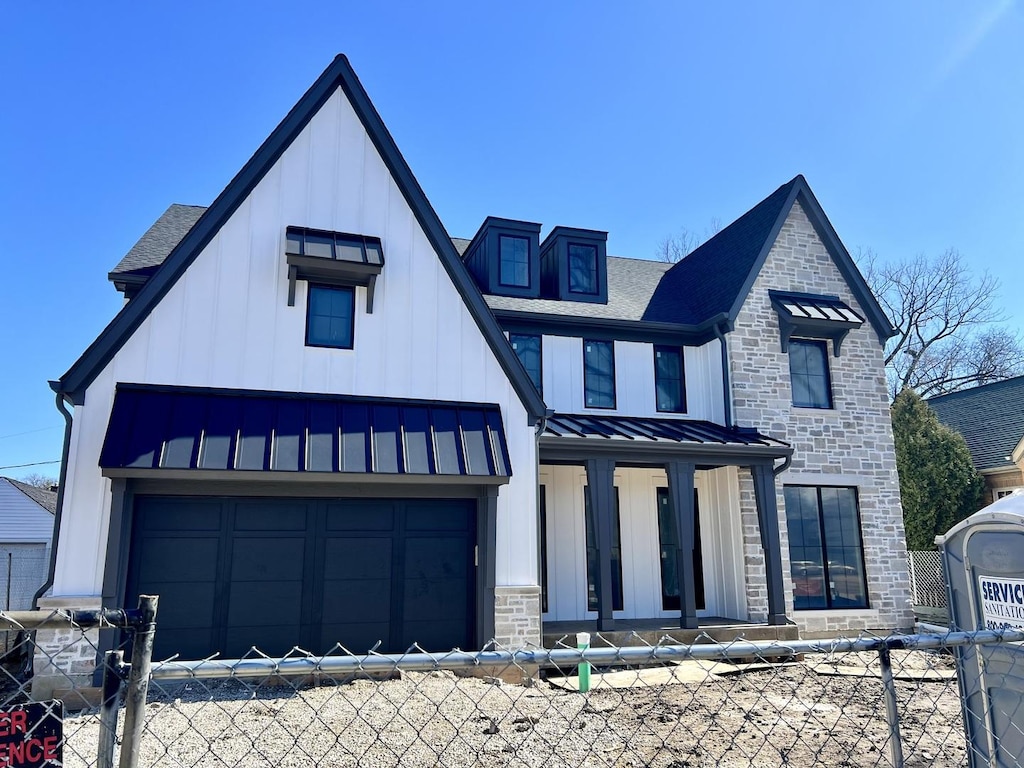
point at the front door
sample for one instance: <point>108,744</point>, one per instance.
<point>669,541</point>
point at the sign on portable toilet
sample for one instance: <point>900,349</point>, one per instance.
<point>983,558</point>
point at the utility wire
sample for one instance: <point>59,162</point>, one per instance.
<point>31,464</point>
<point>30,432</point>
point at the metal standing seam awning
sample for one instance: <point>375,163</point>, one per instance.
<point>155,431</point>
<point>630,435</point>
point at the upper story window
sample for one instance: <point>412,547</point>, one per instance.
<point>583,268</point>
<point>809,375</point>
<point>330,316</point>
<point>598,374</point>
<point>669,380</point>
<point>528,349</point>
<point>514,259</point>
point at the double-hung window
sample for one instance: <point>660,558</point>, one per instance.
<point>514,261</point>
<point>330,316</point>
<point>809,375</point>
<point>528,349</point>
<point>669,381</point>
<point>826,555</point>
<point>598,374</point>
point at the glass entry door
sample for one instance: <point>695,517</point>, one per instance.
<point>669,540</point>
<point>593,556</point>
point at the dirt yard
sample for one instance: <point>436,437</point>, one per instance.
<point>821,711</point>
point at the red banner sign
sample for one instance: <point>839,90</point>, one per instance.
<point>32,735</point>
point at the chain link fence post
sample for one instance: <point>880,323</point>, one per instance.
<point>112,662</point>
<point>138,682</point>
<point>892,712</point>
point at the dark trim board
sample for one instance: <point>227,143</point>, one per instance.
<point>606,329</point>
<point>338,75</point>
<point>561,450</point>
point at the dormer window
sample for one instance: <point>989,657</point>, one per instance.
<point>573,265</point>
<point>583,268</point>
<point>502,257</point>
<point>514,261</point>
<point>332,259</point>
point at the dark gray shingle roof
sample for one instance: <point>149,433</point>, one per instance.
<point>990,417</point>
<point>154,246</point>
<point>45,498</point>
<point>631,283</point>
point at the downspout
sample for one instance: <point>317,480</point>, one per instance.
<point>61,485</point>
<point>726,387</point>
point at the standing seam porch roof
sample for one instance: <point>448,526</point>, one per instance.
<point>338,75</point>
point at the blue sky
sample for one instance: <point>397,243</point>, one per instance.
<point>907,120</point>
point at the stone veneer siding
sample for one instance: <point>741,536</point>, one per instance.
<point>517,616</point>
<point>65,658</point>
<point>850,445</point>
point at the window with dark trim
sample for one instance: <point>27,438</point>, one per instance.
<point>826,554</point>
<point>669,381</point>
<point>668,541</point>
<point>809,375</point>
<point>544,549</point>
<point>594,556</point>
<point>528,349</point>
<point>598,374</point>
<point>330,316</point>
<point>514,261</point>
<point>583,268</point>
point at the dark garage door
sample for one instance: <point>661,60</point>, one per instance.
<point>232,573</point>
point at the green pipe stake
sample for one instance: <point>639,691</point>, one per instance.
<point>583,670</point>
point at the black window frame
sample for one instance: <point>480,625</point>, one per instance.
<point>352,314</point>
<point>681,407</point>
<point>501,261</point>
<point>668,538</point>
<point>827,577</point>
<point>593,579</point>
<point>594,270</point>
<point>539,381</point>
<point>822,348</point>
<point>588,378</point>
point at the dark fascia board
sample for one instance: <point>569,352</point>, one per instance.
<point>338,74</point>
<point>576,450</point>
<point>844,262</point>
<point>605,329</point>
<point>573,233</point>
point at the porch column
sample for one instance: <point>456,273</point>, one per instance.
<point>768,522</point>
<point>601,487</point>
<point>680,491</point>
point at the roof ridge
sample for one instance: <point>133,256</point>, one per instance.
<point>972,390</point>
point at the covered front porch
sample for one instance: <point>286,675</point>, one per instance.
<point>654,528</point>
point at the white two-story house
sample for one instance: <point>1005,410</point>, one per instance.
<point>318,419</point>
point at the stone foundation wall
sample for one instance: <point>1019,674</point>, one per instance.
<point>517,616</point>
<point>64,658</point>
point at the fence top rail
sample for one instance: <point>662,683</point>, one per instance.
<point>102,618</point>
<point>418,661</point>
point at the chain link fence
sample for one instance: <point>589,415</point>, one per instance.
<point>864,701</point>
<point>22,570</point>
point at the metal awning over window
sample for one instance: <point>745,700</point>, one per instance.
<point>335,258</point>
<point>158,429</point>
<point>810,315</point>
<point>568,436</point>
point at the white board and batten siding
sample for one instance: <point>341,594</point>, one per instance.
<point>562,372</point>
<point>721,542</point>
<point>226,323</point>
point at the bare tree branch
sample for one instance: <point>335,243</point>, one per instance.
<point>946,321</point>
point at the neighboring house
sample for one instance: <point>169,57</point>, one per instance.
<point>26,527</point>
<point>319,419</point>
<point>991,419</point>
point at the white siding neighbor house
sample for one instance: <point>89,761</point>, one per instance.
<point>26,527</point>
<point>319,419</point>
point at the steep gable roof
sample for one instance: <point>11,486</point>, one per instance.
<point>338,75</point>
<point>990,417</point>
<point>159,240</point>
<point>45,498</point>
<point>716,277</point>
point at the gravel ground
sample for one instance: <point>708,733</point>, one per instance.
<point>787,715</point>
